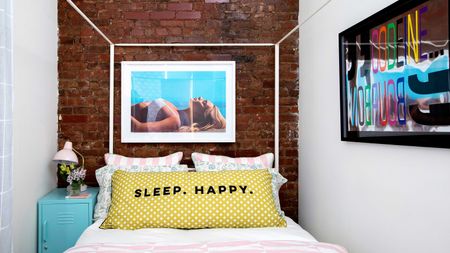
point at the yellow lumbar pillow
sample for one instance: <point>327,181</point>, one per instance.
<point>223,199</point>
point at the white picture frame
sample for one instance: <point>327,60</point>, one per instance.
<point>169,82</point>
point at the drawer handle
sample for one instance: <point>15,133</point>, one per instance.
<point>44,232</point>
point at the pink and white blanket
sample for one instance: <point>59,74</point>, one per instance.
<point>268,246</point>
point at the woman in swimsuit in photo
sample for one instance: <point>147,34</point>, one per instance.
<point>161,115</point>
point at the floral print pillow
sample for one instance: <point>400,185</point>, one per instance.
<point>265,160</point>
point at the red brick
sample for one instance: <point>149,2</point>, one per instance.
<point>136,15</point>
<point>176,23</point>
<point>179,6</point>
<point>189,15</point>
<point>162,15</point>
<point>74,118</point>
<point>161,31</point>
<point>216,1</point>
<point>175,30</point>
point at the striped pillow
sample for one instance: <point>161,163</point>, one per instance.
<point>118,160</point>
<point>266,160</point>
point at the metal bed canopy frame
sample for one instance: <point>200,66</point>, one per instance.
<point>277,70</point>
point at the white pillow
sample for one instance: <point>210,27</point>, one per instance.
<point>277,179</point>
<point>104,174</point>
<point>118,160</point>
<point>265,161</point>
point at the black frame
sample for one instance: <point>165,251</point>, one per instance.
<point>426,139</point>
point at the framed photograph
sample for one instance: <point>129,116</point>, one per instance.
<point>394,76</point>
<point>178,101</point>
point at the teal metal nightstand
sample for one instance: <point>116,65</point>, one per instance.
<point>61,221</point>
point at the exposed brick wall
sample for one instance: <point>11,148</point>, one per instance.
<point>84,73</point>
<point>289,94</point>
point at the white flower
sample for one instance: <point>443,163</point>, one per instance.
<point>76,175</point>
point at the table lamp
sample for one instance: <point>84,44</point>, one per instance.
<point>68,155</point>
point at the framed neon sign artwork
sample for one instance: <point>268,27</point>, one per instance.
<point>394,76</point>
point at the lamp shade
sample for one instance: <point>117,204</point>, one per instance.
<point>66,155</point>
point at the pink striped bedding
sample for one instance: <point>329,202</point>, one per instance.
<point>268,246</point>
<point>118,160</point>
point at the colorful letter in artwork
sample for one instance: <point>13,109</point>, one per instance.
<point>398,73</point>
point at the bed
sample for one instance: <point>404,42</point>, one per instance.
<point>251,240</point>
<point>131,219</point>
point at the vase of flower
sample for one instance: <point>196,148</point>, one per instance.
<point>75,189</point>
<point>75,177</point>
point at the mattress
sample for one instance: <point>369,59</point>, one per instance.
<point>290,239</point>
<point>93,234</point>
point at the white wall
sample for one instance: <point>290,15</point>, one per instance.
<point>35,114</point>
<point>371,198</point>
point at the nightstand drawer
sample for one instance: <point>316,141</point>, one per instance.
<point>62,225</point>
<point>62,220</point>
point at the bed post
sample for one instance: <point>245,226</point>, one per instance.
<point>277,106</point>
<point>111,99</point>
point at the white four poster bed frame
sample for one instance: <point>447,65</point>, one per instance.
<point>277,70</point>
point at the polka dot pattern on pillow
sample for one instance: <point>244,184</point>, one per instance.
<point>104,175</point>
<point>277,179</point>
<point>189,200</point>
